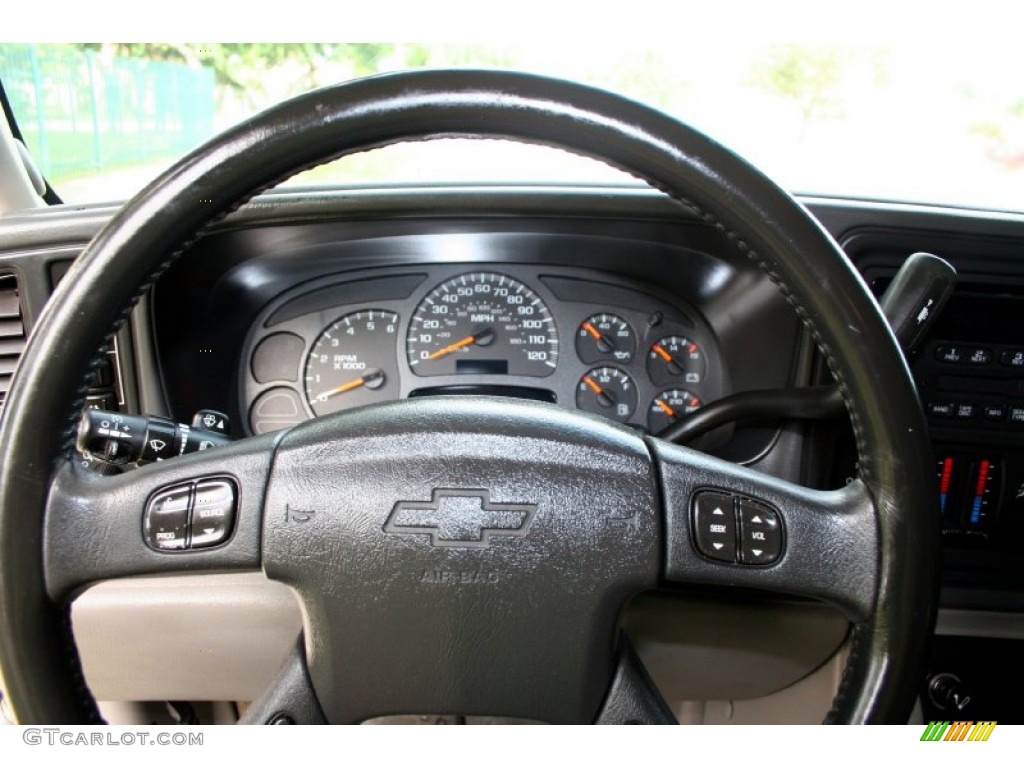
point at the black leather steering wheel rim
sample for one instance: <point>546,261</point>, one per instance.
<point>128,255</point>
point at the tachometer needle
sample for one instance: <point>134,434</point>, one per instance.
<point>483,338</point>
<point>371,379</point>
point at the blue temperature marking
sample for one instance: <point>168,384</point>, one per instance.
<point>976,511</point>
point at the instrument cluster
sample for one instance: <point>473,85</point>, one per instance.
<point>579,338</point>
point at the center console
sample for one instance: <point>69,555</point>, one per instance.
<point>970,375</point>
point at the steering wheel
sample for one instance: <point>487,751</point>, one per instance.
<point>484,571</point>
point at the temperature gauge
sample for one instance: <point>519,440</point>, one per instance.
<point>605,337</point>
<point>669,407</point>
<point>675,358</point>
<point>607,392</point>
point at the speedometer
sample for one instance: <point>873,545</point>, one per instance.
<point>482,323</point>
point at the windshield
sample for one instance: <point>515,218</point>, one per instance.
<point>913,122</point>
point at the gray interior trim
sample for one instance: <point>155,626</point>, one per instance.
<point>205,638</point>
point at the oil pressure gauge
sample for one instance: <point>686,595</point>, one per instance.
<point>605,337</point>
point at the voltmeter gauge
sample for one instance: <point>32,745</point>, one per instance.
<point>675,359</point>
<point>608,392</point>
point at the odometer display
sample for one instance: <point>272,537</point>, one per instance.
<point>482,323</point>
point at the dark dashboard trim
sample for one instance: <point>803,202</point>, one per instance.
<point>74,225</point>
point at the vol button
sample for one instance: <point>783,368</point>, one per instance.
<point>760,533</point>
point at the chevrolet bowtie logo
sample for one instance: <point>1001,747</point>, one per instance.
<point>460,518</point>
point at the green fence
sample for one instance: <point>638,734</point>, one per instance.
<point>82,113</point>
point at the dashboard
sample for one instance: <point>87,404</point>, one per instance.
<point>620,303</point>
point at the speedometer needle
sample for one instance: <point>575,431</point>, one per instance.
<point>483,338</point>
<point>371,379</point>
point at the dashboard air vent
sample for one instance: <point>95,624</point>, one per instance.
<point>12,332</point>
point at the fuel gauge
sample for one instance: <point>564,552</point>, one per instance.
<point>607,392</point>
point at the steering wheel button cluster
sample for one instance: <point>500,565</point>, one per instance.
<point>715,525</point>
<point>191,515</point>
<point>760,533</point>
<point>736,530</point>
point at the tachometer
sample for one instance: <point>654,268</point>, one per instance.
<point>353,362</point>
<point>482,323</point>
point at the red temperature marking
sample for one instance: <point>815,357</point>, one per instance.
<point>947,475</point>
<point>983,470</point>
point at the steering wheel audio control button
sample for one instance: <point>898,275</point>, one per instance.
<point>760,533</point>
<point>714,525</point>
<point>167,517</point>
<point>213,513</point>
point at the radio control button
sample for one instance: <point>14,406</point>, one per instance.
<point>714,522</point>
<point>760,534</point>
<point>965,410</point>
<point>167,517</point>
<point>942,409</point>
<point>950,353</point>
<point>1014,358</point>
<point>978,355</point>
<point>1017,415</point>
<point>995,412</point>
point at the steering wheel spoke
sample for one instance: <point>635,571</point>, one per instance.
<point>200,512</point>
<point>727,525</point>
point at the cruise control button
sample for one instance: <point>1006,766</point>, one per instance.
<point>760,533</point>
<point>166,519</point>
<point>714,524</point>
<point>213,513</point>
